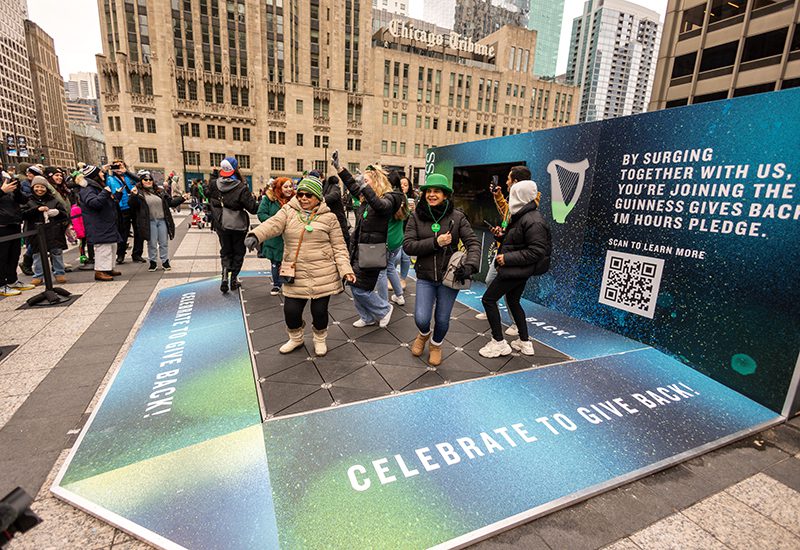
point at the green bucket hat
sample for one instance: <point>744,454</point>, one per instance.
<point>437,180</point>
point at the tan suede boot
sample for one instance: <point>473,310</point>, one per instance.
<point>419,344</point>
<point>295,340</point>
<point>320,348</point>
<point>434,355</point>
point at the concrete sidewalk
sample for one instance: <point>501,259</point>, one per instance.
<point>746,495</point>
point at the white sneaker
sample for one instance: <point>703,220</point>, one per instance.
<point>361,323</point>
<point>481,316</point>
<point>386,318</point>
<point>495,348</point>
<point>19,285</point>
<point>399,300</point>
<point>6,290</point>
<point>525,348</point>
<point>512,330</point>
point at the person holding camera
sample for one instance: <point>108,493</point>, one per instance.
<point>151,206</point>
<point>368,244</point>
<point>11,201</point>
<point>315,261</point>
<point>120,179</point>
<point>433,233</point>
<point>524,251</point>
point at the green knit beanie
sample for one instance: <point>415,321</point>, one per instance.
<point>312,185</point>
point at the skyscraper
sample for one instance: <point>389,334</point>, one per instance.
<point>545,17</point>
<point>55,142</point>
<point>732,50</point>
<point>613,58</point>
<point>479,18</point>
<point>399,7</point>
<point>441,13</point>
<point>18,125</point>
<point>82,86</point>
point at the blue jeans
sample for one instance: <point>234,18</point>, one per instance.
<point>391,273</point>
<point>276,274</point>
<point>56,262</point>
<point>432,295</point>
<point>369,305</point>
<point>159,238</point>
<point>405,264</point>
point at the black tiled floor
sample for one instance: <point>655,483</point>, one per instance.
<point>368,362</point>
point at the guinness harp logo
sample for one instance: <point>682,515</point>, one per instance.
<point>566,184</point>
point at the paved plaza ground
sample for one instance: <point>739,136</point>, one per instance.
<point>58,360</point>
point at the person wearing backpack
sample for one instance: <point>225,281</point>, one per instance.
<point>231,220</point>
<point>524,251</point>
<point>433,234</point>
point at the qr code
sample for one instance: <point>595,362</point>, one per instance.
<point>631,282</point>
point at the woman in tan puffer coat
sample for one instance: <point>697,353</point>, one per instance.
<point>320,260</point>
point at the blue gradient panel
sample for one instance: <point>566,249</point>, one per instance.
<point>452,500</point>
<point>730,314</point>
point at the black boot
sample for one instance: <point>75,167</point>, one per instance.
<point>235,284</point>
<point>223,286</point>
<point>26,265</point>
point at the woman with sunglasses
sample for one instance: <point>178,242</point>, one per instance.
<point>314,250</point>
<point>379,203</point>
<point>151,206</point>
<point>433,233</point>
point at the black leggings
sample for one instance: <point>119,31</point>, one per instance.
<point>512,289</point>
<point>232,249</point>
<point>293,312</point>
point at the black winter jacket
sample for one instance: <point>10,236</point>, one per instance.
<point>373,228</point>
<point>11,206</point>
<point>526,246</point>
<point>141,211</point>
<point>54,230</point>
<point>99,210</point>
<point>233,193</point>
<point>420,241</point>
<point>333,198</point>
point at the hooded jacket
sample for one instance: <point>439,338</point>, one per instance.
<point>55,227</point>
<point>526,246</point>
<point>231,192</point>
<point>372,225</point>
<point>99,213</point>
<point>322,261</point>
<point>420,241</point>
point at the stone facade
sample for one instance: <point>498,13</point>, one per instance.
<point>274,96</point>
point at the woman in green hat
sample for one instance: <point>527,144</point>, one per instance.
<point>433,234</point>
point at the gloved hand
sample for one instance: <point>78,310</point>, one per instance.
<point>335,160</point>
<point>462,273</point>
<point>251,242</point>
<point>52,213</point>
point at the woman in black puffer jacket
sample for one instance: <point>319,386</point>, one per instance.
<point>432,235</point>
<point>378,205</point>
<point>524,251</point>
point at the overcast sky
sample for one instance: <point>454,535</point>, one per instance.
<point>75,28</point>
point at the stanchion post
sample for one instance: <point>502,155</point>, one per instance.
<point>51,295</point>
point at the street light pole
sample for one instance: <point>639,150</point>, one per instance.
<point>183,153</point>
<point>325,160</point>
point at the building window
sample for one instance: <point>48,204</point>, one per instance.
<point>299,140</point>
<point>358,144</point>
<point>386,117</point>
<point>300,165</point>
<point>138,124</point>
<point>352,167</point>
<point>237,134</point>
<point>245,134</point>
<point>281,138</point>
<point>684,65</point>
<point>349,144</point>
<point>763,45</point>
<point>221,132</point>
<point>394,119</point>
<point>273,137</point>
<point>403,120</point>
<point>192,158</point>
<point>402,147</point>
<point>317,141</point>
<point>716,57</point>
<point>394,147</point>
<point>244,161</point>
<point>117,153</point>
<point>195,129</point>
<point>384,146</point>
<point>416,149</point>
<point>419,121</point>
<point>212,131</point>
<point>216,158</point>
<point>278,164</point>
<point>299,108</point>
<point>151,126</point>
<point>148,155</point>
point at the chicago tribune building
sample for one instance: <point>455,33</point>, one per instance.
<point>281,83</point>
